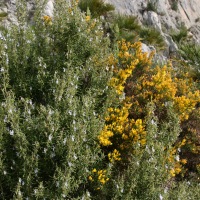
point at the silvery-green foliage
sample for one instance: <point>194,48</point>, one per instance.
<point>51,96</point>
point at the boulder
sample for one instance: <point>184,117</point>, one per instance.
<point>49,8</point>
<point>152,19</point>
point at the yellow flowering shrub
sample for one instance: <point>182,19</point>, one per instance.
<point>176,162</point>
<point>99,178</point>
<point>115,155</point>
<point>185,104</point>
<point>120,133</point>
<point>161,85</point>
<point>137,83</point>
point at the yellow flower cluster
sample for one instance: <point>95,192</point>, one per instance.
<point>178,167</point>
<point>119,81</point>
<point>158,84</point>
<point>173,159</point>
<point>127,58</point>
<point>105,135</point>
<point>87,18</point>
<point>184,86</point>
<point>141,83</point>
<point>116,123</point>
<point>121,132</point>
<point>161,84</point>
<point>100,176</point>
<point>47,20</point>
<point>114,156</point>
<point>138,132</point>
<point>185,104</point>
<point>145,60</point>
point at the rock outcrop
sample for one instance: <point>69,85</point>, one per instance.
<point>8,8</point>
<point>166,15</point>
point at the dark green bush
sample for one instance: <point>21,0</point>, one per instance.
<point>191,54</point>
<point>127,22</point>
<point>181,35</point>
<point>128,27</point>
<point>96,7</point>
<point>3,14</point>
<point>151,6</point>
<point>152,36</point>
<point>174,5</point>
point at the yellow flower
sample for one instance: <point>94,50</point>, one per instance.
<point>183,161</point>
<point>104,137</point>
<point>177,170</point>
<point>87,18</point>
<point>94,170</point>
<point>90,178</point>
<point>126,54</point>
<point>114,156</point>
<point>47,19</point>
<point>172,172</point>
<point>143,142</point>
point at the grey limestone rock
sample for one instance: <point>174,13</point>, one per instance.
<point>49,8</point>
<point>9,6</point>
<point>164,18</point>
<point>187,13</point>
<point>152,19</point>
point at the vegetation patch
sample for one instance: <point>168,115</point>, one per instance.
<point>97,7</point>
<point>86,116</point>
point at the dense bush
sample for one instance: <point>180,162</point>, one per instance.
<point>125,27</point>
<point>82,120</point>
<point>181,35</point>
<point>190,52</point>
<point>151,36</point>
<point>147,136</point>
<point>152,6</point>
<point>53,94</point>
<point>97,7</point>
<point>174,5</point>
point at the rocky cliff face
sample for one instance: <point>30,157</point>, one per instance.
<point>168,14</point>
<point>8,9</point>
<point>164,15</point>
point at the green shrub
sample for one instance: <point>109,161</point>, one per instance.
<point>55,91</point>
<point>96,7</point>
<point>128,27</point>
<point>185,190</point>
<point>152,36</point>
<point>151,6</point>
<point>127,22</point>
<point>53,94</point>
<point>191,54</point>
<point>181,35</point>
<point>174,5</point>
<point>3,14</point>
